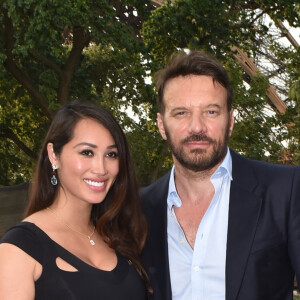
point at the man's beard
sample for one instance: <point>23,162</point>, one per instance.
<point>199,159</point>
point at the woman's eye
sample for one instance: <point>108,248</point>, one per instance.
<point>112,154</point>
<point>87,152</point>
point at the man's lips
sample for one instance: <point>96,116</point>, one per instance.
<point>198,139</point>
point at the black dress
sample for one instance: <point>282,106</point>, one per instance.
<point>123,282</point>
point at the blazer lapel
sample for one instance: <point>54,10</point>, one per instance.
<point>156,214</point>
<point>244,209</point>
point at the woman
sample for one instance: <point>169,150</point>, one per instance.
<point>83,230</point>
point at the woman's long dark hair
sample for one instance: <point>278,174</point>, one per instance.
<point>118,218</point>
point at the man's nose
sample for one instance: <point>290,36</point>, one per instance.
<point>197,123</point>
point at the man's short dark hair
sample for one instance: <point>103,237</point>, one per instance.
<point>194,63</point>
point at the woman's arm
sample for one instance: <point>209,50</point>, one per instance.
<point>18,272</point>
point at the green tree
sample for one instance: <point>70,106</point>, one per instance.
<point>219,27</point>
<point>55,51</point>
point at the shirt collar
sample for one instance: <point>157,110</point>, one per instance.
<point>224,168</point>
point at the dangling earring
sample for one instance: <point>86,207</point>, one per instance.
<point>53,178</point>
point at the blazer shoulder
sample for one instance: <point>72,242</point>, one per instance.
<point>250,170</point>
<point>262,165</point>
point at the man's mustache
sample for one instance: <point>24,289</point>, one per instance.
<point>197,138</point>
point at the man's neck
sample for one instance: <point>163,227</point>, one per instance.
<point>193,186</point>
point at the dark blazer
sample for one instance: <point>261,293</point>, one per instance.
<point>263,240</point>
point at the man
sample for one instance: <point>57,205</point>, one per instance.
<point>220,226</point>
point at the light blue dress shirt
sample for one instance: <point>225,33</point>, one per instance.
<point>199,273</point>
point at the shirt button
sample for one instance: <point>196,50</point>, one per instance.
<point>196,269</point>
<point>181,241</point>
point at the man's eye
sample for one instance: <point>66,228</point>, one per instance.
<point>180,113</point>
<point>112,154</point>
<point>87,152</point>
<point>212,112</point>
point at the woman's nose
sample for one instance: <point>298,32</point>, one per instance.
<point>99,166</point>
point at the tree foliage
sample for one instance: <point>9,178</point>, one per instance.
<point>108,51</point>
<point>218,27</point>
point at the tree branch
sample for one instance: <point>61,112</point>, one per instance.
<point>287,34</point>
<point>263,11</point>
<point>133,21</point>
<point>45,61</point>
<point>17,73</point>
<point>9,134</point>
<point>81,39</point>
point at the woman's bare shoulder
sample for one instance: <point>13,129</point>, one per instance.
<point>18,271</point>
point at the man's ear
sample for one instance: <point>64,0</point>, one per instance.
<point>231,122</point>
<point>51,154</point>
<point>161,126</point>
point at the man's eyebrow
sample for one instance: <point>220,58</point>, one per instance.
<point>174,109</point>
<point>214,105</point>
<point>178,108</point>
